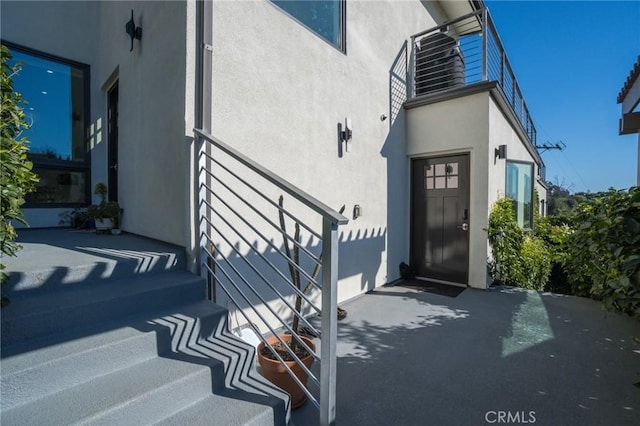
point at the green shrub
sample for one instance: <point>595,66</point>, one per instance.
<point>16,176</point>
<point>603,252</point>
<point>520,259</point>
<point>535,257</point>
<point>505,238</point>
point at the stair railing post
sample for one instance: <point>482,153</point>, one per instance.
<point>328,360</point>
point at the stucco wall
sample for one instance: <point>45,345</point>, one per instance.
<point>475,124</point>
<point>452,126</point>
<point>279,92</point>
<point>54,28</point>
<point>153,95</point>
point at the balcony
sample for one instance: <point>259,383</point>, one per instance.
<point>461,53</point>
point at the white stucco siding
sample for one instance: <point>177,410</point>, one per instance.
<point>63,29</point>
<point>152,100</point>
<point>153,95</point>
<point>501,132</point>
<point>454,126</point>
<point>279,92</point>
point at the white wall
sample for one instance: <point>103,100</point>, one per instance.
<point>279,92</point>
<point>475,124</point>
<point>64,29</point>
<point>452,126</point>
<point>155,98</point>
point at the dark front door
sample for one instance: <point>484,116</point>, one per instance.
<point>113,143</point>
<point>440,218</point>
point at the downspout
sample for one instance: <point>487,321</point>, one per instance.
<point>202,120</point>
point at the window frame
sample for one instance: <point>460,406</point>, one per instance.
<point>531,192</point>
<point>56,164</point>
<point>342,25</point>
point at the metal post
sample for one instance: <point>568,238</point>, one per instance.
<point>328,360</point>
<point>201,163</point>
<point>411,70</point>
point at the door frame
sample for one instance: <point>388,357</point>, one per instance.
<point>412,160</point>
<point>113,140</point>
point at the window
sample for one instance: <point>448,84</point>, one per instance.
<point>325,18</point>
<point>520,190</point>
<point>56,107</point>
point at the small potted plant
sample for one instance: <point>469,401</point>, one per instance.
<point>106,213</point>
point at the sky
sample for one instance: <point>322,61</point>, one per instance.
<point>571,58</point>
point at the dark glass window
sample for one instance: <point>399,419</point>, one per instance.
<point>56,98</point>
<point>325,18</point>
<point>520,190</point>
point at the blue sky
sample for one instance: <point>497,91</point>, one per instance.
<point>571,59</point>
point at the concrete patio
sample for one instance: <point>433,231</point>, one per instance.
<point>408,357</point>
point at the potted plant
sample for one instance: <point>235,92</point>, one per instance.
<point>272,368</point>
<point>106,213</point>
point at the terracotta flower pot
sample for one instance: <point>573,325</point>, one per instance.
<point>275,372</point>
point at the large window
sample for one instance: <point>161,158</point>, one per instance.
<point>56,96</point>
<point>325,18</point>
<point>520,190</point>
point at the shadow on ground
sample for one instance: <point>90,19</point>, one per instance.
<point>414,358</point>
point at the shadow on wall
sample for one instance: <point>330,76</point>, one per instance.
<point>395,151</point>
<point>261,278</point>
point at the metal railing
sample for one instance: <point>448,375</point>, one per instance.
<point>241,216</point>
<point>462,52</point>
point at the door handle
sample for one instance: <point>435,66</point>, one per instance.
<point>114,167</point>
<point>464,227</point>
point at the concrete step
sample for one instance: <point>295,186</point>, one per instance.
<point>222,410</point>
<point>36,314</point>
<point>178,364</point>
<point>139,394</point>
<point>54,258</point>
<point>43,366</point>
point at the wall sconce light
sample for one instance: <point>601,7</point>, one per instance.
<point>347,134</point>
<point>501,152</point>
<point>133,31</point>
<point>357,211</point>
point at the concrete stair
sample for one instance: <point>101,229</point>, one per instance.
<point>128,349</point>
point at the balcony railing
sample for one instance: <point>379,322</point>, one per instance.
<point>263,254</point>
<point>462,52</point>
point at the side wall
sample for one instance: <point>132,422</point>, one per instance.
<point>279,94</point>
<point>153,94</point>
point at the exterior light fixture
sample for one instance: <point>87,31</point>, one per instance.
<point>347,134</point>
<point>133,31</point>
<point>501,152</point>
<point>357,211</point>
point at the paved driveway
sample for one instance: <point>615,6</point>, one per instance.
<point>501,356</point>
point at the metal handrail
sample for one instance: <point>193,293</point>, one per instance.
<point>224,210</point>
<point>481,57</point>
<point>308,200</point>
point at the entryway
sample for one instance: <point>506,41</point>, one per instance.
<point>440,218</point>
<point>113,142</point>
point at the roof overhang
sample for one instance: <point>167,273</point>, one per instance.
<point>455,9</point>
<point>629,95</point>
